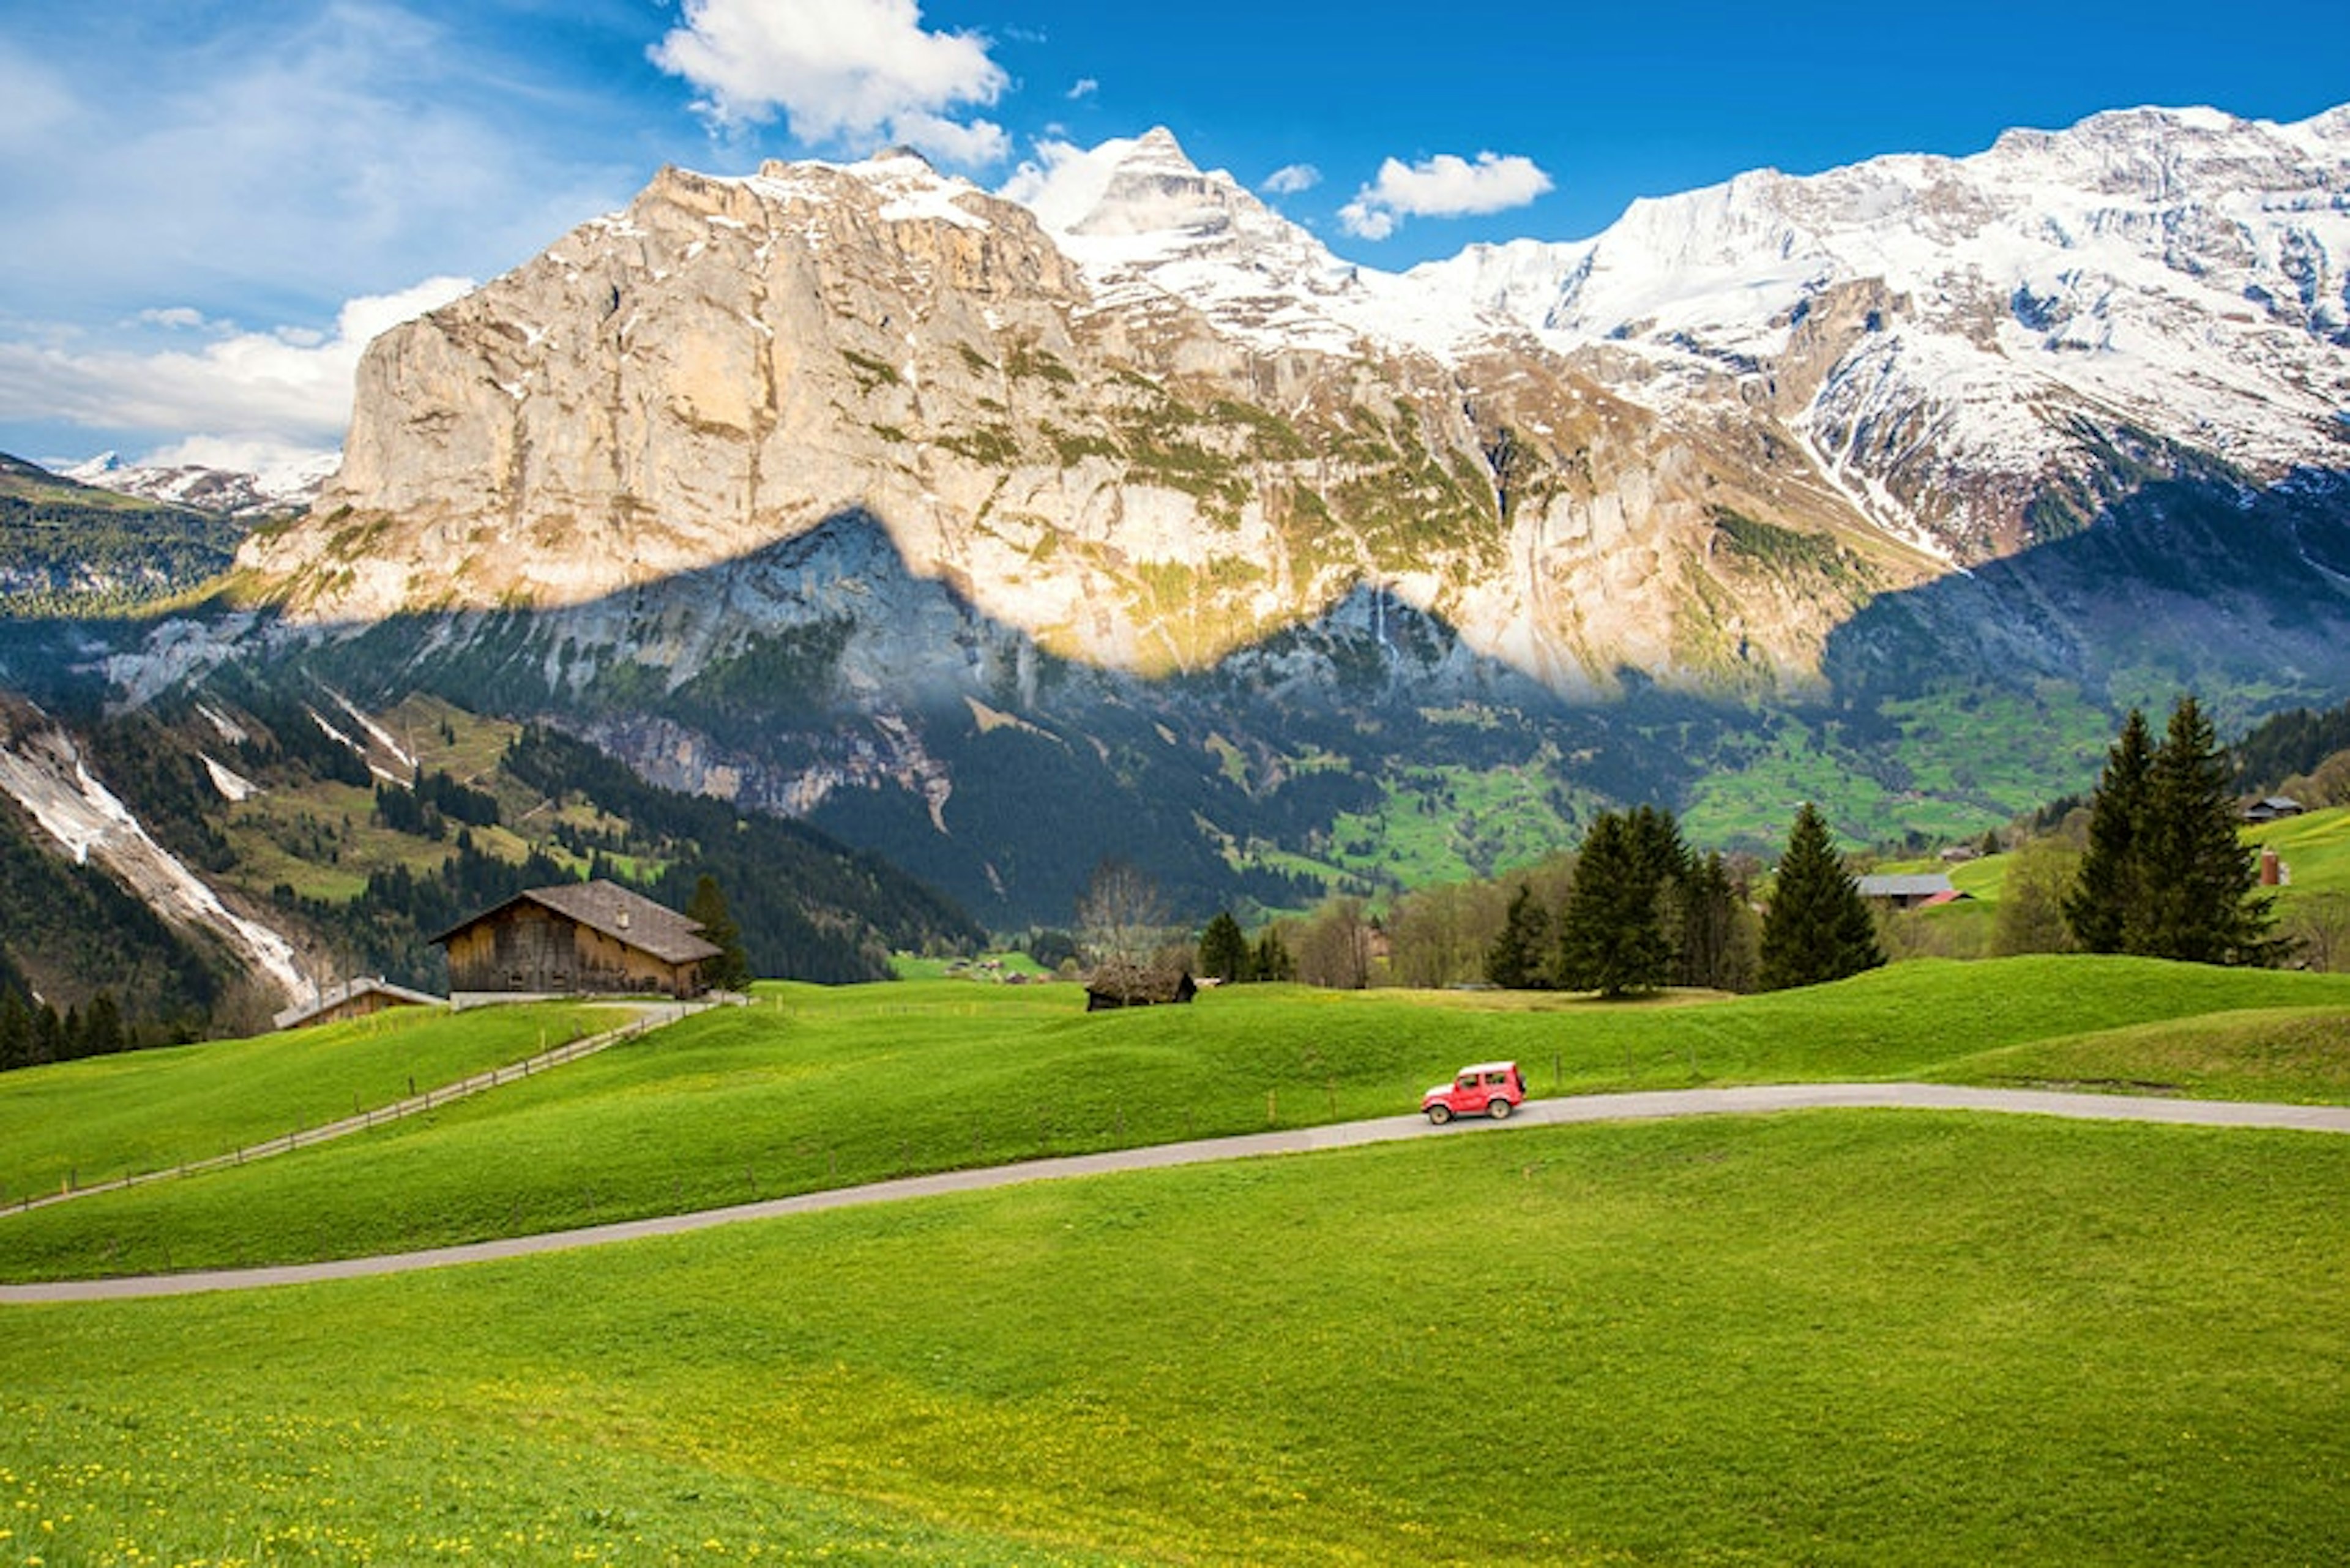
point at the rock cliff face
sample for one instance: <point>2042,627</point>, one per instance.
<point>1146,421</point>
<point>860,494</point>
<point>1082,451</point>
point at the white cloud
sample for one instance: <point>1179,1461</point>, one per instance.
<point>1064,182</point>
<point>944,140</point>
<point>34,104</point>
<point>855,71</point>
<point>173,316</point>
<point>295,164</point>
<point>280,391</point>
<point>1087,87</point>
<point>1444,186</point>
<point>1292,178</point>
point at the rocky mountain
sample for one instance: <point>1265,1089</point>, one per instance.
<point>1114,513</point>
<point>71,548</point>
<point>1136,452</point>
<point>1957,342</point>
<point>237,493</point>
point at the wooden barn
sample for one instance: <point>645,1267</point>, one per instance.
<point>353,999</point>
<point>1116,984</point>
<point>577,938</point>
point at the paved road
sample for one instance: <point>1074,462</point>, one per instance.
<point>1653,1105</point>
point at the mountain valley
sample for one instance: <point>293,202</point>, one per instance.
<point>1114,514</point>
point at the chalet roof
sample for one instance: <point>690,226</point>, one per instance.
<point>1904,885</point>
<point>606,907</point>
<point>1130,983</point>
<point>335,996</point>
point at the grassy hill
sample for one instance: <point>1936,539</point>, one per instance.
<point>818,1088</point>
<point>94,1120</point>
<point>1836,1338</point>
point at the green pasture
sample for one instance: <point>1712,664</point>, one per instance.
<point>815,1088</point>
<point>1838,1337</point>
<point>2315,847</point>
<point>93,1120</point>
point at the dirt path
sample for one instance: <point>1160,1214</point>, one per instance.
<point>1573,1109</point>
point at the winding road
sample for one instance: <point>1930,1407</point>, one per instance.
<point>1557,1111</point>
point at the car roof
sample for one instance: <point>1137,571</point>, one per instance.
<point>1489,1067</point>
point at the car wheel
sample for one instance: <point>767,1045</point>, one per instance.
<point>1499,1109</point>
<point>1440,1115</point>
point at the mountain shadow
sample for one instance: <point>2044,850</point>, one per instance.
<point>2186,584</point>
<point>822,680</point>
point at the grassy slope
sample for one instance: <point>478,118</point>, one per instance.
<point>113,1116</point>
<point>825,1088</point>
<point>2314,847</point>
<point>1839,1338</point>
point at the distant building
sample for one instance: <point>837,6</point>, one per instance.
<point>1116,984</point>
<point>2274,808</point>
<point>1916,890</point>
<point>577,939</point>
<point>353,999</point>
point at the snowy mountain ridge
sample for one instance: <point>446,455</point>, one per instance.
<point>2181,269</point>
<point>1128,409</point>
<point>222,487</point>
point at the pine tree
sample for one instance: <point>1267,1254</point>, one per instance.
<point>2196,898</point>
<point>1223,950</point>
<point>1709,952</point>
<point>101,1026</point>
<point>1517,960</point>
<point>2109,886</point>
<point>1817,928</point>
<point>16,1030</point>
<point>730,970</point>
<point>1611,934</point>
<point>1271,961</point>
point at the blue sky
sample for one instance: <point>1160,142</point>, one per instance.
<point>209,205</point>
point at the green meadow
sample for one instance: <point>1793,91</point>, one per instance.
<point>816,1088</point>
<point>1835,1338</point>
<point>90,1121</point>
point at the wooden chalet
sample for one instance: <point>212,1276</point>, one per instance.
<point>577,938</point>
<point>1121,984</point>
<point>353,999</point>
<point>1923,890</point>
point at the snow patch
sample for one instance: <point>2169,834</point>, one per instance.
<point>44,771</point>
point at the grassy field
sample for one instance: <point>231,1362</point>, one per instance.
<point>93,1120</point>
<point>1864,1338</point>
<point>2314,847</point>
<point>817,1088</point>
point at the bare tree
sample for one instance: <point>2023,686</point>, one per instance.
<point>1438,936</point>
<point>2319,928</point>
<point>2031,917</point>
<point>1121,917</point>
<point>1334,948</point>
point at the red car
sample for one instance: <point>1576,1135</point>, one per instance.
<point>1488,1089</point>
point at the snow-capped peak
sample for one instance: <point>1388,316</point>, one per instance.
<point>213,476</point>
<point>1142,220</point>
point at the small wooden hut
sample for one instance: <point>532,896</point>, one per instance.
<point>577,939</point>
<point>1124,984</point>
<point>352,999</point>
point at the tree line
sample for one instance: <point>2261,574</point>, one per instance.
<point>1635,910</point>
